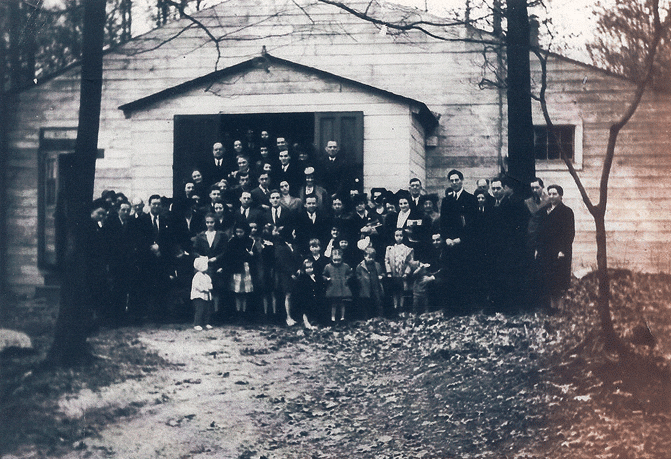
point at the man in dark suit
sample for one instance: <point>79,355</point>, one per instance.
<point>97,260</point>
<point>218,166</point>
<point>456,214</point>
<point>277,215</point>
<point>509,219</point>
<point>335,171</point>
<point>310,224</point>
<point>155,251</point>
<point>415,197</point>
<point>121,239</point>
<point>290,172</point>
<point>456,210</point>
<point>261,194</point>
<point>246,213</point>
<point>536,205</point>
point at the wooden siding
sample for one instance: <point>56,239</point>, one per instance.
<point>443,75</point>
<point>386,124</point>
<point>638,218</point>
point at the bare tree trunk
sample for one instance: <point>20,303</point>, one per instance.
<point>603,300</point>
<point>30,51</point>
<point>4,105</point>
<point>76,39</point>
<point>14,48</point>
<point>73,324</point>
<point>521,162</point>
<point>126,20</point>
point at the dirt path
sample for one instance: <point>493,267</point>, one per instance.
<point>479,387</point>
<point>221,398</point>
<point>372,391</point>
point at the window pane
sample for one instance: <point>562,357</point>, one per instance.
<point>546,145</point>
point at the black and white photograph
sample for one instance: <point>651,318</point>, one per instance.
<point>319,229</point>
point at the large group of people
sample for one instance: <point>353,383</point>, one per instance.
<point>257,236</point>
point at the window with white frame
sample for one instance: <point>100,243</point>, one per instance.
<point>547,146</point>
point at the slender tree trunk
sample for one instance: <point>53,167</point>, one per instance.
<point>126,20</point>
<point>73,324</point>
<point>14,48</point>
<point>521,162</point>
<point>3,144</point>
<point>76,37</point>
<point>603,301</point>
<point>30,34</point>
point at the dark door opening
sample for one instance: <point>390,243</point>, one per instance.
<point>194,136</point>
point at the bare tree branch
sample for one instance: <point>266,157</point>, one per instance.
<point>420,26</point>
<point>164,42</point>
<point>180,7</point>
<point>658,31</point>
<point>300,7</point>
<point>551,128</point>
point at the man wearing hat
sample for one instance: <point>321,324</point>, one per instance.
<point>311,188</point>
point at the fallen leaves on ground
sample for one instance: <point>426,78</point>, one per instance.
<point>490,386</point>
<point>504,386</point>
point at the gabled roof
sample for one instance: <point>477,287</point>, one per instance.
<point>426,117</point>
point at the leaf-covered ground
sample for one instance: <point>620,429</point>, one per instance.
<point>478,386</point>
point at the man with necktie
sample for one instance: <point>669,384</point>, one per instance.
<point>456,216</point>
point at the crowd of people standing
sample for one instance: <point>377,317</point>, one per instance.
<point>257,235</point>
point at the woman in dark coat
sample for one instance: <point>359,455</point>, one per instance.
<point>212,243</point>
<point>555,241</point>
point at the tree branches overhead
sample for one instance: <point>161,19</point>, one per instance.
<point>625,34</point>
<point>409,22</point>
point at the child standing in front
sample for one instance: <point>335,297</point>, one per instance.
<point>336,276</point>
<point>306,296</point>
<point>241,257</point>
<point>397,261</point>
<point>422,277</point>
<point>369,276</point>
<point>318,260</point>
<point>201,295</point>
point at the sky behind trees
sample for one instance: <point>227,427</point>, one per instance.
<point>573,22</point>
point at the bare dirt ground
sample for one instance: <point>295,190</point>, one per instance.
<point>430,386</point>
<point>221,396</point>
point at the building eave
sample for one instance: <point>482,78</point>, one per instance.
<point>426,117</point>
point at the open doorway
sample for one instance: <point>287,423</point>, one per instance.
<point>194,136</point>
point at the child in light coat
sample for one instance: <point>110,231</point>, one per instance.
<point>201,295</point>
<point>397,261</point>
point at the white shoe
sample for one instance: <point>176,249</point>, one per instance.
<point>290,322</point>
<point>209,327</point>
<point>307,324</point>
<point>198,328</point>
